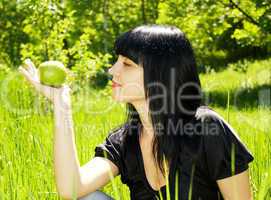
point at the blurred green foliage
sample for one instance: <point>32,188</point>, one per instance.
<point>81,34</point>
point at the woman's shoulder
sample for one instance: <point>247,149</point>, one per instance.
<point>118,133</point>
<point>213,124</point>
<point>222,146</point>
<point>207,114</point>
<point>121,134</point>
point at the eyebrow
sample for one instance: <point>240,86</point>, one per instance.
<point>128,61</point>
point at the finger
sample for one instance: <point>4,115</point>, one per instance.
<point>29,62</point>
<point>39,87</point>
<point>27,67</point>
<point>31,66</point>
<point>28,76</point>
<point>25,73</point>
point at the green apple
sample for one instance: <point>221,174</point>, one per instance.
<point>52,73</point>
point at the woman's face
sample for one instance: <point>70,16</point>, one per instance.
<point>127,82</point>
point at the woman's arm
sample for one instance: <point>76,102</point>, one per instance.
<point>69,175</point>
<point>236,187</point>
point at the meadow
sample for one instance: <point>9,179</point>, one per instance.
<point>240,93</point>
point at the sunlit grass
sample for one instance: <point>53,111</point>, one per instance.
<point>26,134</point>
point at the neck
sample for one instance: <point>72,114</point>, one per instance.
<point>142,109</point>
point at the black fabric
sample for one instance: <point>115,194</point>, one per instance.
<point>206,155</point>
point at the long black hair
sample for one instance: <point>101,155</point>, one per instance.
<point>170,72</point>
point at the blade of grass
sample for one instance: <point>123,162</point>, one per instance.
<point>177,185</point>
<point>228,106</point>
<point>167,181</point>
<point>191,182</point>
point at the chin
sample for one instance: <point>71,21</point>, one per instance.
<point>119,96</point>
<point>120,99</point>
<point>126,99</point>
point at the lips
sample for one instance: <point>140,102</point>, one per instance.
<point>115,84</point>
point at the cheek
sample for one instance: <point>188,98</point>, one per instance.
<point>133,88</point>
<point>133,84</point>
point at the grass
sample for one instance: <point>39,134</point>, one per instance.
<point>26,129</point>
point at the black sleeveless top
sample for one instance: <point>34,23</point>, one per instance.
<point>211,150</point>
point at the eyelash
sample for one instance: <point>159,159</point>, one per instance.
<point>128,65</point>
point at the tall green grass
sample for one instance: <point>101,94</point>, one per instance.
<point>26,131</point>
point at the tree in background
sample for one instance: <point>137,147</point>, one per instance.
<point>81,34</point>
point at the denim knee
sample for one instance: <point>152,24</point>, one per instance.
<point>97,195</point>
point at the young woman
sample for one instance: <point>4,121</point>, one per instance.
<point>171,144</point>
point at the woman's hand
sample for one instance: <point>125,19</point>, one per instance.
<point>61,95</point>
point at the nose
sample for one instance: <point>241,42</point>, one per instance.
<point>114,70</point>
<point>110,71</point>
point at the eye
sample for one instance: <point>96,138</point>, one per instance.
<point>128,65</point>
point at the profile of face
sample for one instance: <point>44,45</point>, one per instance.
<point>127,81</point>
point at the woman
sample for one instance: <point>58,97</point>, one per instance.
<point>171,145</point>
